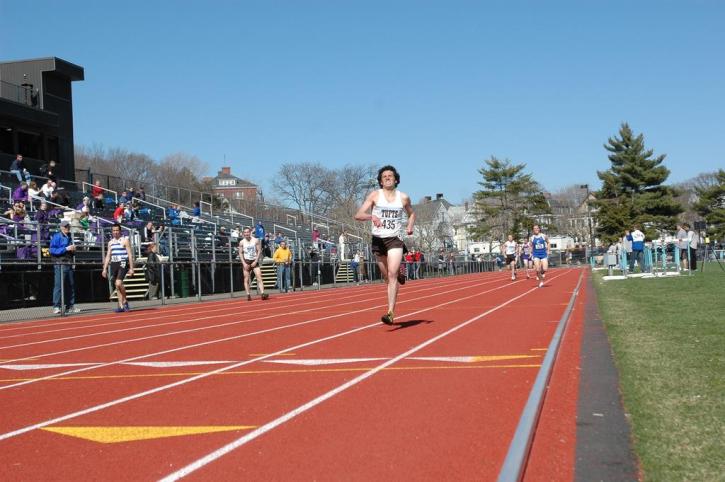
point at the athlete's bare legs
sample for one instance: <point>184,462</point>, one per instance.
<point>389,267</point>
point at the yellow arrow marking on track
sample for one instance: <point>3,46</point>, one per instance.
<point>109,435</point>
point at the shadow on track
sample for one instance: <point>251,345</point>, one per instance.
<point>408,324</point>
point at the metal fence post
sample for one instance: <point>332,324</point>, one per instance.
<point>231,272</point>
<point>62,287</point>
<point>163,285</point>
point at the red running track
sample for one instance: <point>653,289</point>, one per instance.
<point>307,386</point>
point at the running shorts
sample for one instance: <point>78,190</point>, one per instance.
<point>119,269</point>
<point>380,246</point>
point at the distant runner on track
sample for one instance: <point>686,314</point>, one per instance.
<point>525,250</point>
<point>120,257</point>
<point>540,243</point>
<point>510,248</point>
<point>250,253</point>
<point>387,205</point>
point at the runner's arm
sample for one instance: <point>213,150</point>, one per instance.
<point>362,213</point>
<point>411,214</point>
<point>129,251</point>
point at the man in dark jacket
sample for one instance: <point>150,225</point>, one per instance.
<point>153,270</point>
<point>62,250</point>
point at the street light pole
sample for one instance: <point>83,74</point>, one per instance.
<point>589,218</point>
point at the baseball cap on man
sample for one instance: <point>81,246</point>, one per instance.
<point>64,224</point>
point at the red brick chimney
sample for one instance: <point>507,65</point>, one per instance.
<point>226,170</point>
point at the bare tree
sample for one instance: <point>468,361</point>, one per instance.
<point>351,184</point>
<point>307,185</point>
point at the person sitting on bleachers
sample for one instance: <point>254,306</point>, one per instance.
<point>97,194</point>
<point>20,194</point>
<point>123,198</point>
<point>196,212</point>
<point>42,217</point>
<point>85,205</point>
<point>172,214</point>
<point>119,212</point>
<point>33,192</point>
<point>48,188</point>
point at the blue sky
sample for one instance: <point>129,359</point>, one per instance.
<point>434,88</point>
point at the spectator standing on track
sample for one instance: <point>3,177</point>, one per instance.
<point>283,259</point>
<point>355,266</point>
<point>62,250</point>
<point>408,257</point>
<point>120,258</point>
<point>419,261</point>
<point>314,264</point>
<point>693,240</point>
<point>441,261</point>
<point>386,206</point>
<point>19,170</point>
<point>153,270</point>
<point>250,253</point>
<point>636,237</point>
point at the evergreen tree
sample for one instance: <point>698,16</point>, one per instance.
<point>633,191</point>
<point>711,206</point>
<point>509,202</point>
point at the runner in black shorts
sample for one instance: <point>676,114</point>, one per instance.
<point>387,205</point>
<point>120,258</point>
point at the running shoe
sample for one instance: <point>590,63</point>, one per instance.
<point>119,309</point>
<point>513,277</point>
<point>387,318</point>
<point>126,307</point>
<point>56,311</point>
<point>401,275</point>
<point>541,284</point>
<point>73,309</point>
<point>249,297</point>
<point>265,296</point>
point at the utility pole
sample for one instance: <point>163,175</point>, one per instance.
<point>589,217</point>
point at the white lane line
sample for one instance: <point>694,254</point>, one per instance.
<point>235,305</point>
<point>152,391</point>
<point>43,366</point>
<point>323,361</point>
<point>206,327</point>
<point>220,340</point>
<point>85,321</point>
<point>196,465</point>
<point>275,308</point>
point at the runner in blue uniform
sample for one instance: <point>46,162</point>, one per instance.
<point>540,244</point>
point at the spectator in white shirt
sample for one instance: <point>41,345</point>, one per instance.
<point>694,240</point>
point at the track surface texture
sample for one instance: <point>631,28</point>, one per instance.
<point>304,386</point>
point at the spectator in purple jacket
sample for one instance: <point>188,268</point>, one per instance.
<point>21,193</point>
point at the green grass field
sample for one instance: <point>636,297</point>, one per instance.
<point>668,338</point>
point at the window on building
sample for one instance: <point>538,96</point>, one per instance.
<point>29,145</point>
<point>6,140</point>
<point>53,149</point>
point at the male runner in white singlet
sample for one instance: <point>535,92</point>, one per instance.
<point>250,253</point>
<point>510,249</point>
<point>120,257</point>
<point>387,206</point>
